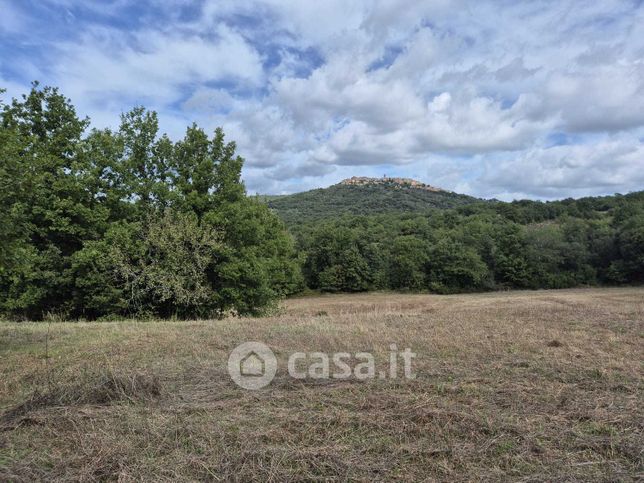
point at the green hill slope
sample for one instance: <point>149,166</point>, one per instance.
<point>369,197</point>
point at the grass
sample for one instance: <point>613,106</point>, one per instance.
<point>517,386</point>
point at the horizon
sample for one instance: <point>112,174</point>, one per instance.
<point>490,99</point>
<point>446,190</point>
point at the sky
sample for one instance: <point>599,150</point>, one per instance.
<point>497,99</point>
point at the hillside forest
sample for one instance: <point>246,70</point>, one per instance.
<point>100,224</point>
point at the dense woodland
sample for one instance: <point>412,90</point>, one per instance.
<point>128,223</point>
<point>479,246</point>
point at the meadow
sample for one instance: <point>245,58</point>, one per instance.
<point>515,386</point>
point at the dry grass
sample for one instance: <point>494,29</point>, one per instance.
<point>520,386</point>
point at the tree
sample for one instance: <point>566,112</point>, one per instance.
<point>335,262</point>
<point>349,274</point>
<point>454,266</point>
<point>509,266</point>
<point>407,264</point>
<point>259,263</point>
<point>52,207</point>
<point>629,266</point>
<point>12,197</point>
<point>157,267</point>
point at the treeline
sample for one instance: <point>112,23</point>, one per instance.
<point>127,223</point>
<point>480,246</point>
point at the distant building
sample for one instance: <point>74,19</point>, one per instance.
<point>402,182</point>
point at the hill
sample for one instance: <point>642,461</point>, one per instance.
<point>364,196</point>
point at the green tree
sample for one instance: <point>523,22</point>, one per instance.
<point>259,263</point>
<point>629,265</point>
<point>52,207</point>
<point>335,262</point>
<point>454,266</point>
<point>408,263</point>
<point>157,267</point>
<point>349,274</point>
<point>12,198</point>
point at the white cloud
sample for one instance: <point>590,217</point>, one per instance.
<point>611,165</point>
<point>600,98</point>
<point>153,65</point>
<point>464,93</point>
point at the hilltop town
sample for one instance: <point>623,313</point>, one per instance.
<point>385,180</point>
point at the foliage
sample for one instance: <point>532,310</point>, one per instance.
<point>481,246</point>
<point>108,223</point>
<point>338,200</point>
<point>155,268</point>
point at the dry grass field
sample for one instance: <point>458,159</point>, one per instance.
<point>517,386</point>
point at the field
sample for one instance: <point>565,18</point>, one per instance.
<point>520,386</point>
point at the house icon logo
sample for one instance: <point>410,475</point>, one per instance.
<point>252,365</point>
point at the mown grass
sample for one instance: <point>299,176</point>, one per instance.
<point>531,386</point>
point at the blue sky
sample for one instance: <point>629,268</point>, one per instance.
<point>505,99</point>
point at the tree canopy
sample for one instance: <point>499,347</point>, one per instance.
<point>480,246</point>
<point>101,223</point>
